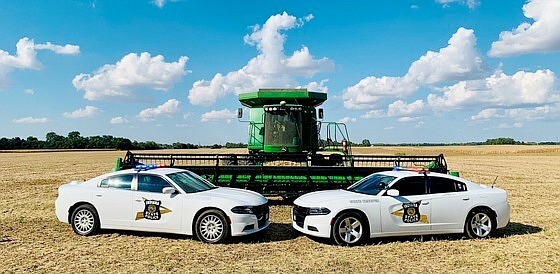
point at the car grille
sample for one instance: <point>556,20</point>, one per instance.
<point>262,212</point>
<point>299,214</point>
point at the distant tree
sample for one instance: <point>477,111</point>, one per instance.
<point>501,141</point>
<point>366,143</point>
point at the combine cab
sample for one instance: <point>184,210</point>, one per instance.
<point>287,155</point>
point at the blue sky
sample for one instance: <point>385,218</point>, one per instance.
<point>394,71</point>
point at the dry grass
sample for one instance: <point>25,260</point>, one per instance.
<point>32,239</point>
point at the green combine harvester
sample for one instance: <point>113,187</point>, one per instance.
<point>287,154</point>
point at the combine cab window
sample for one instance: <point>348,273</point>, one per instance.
<point>282,128</point>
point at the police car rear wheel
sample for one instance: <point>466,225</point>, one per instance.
<point>480,224</point>
<point>84,220</point>
<point>212,227</point>
<point>349,229</point>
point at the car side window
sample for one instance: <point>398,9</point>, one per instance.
<point>415,185</point>
<point>120,181</point>
<point>151,183</point>
<point>445,185</point>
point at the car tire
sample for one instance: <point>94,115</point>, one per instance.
<point>212,227</point>
<point>85,220</point>
<point>350,229</point>
<point>480,224</point>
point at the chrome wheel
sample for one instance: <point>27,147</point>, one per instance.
<point>211,228</point>
<point>84,220</point>
<point>481,224</point>
<point>350,230</point>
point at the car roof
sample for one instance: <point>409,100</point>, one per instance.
<point>407,173</point>
<point>158,171</point>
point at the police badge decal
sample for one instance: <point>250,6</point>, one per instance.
<point>152,210</point>
<point>411,212</point>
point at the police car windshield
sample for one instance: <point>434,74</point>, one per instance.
<point>371,184</point>
<point>190,182</point>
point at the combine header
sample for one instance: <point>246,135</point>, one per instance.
<point>287,155</point>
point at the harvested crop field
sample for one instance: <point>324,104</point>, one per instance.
<point>32,239</point>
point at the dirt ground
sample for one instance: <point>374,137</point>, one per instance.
<point>32,239</point>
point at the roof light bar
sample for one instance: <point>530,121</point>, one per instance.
<point>147,167</point>
<point>418,169</point>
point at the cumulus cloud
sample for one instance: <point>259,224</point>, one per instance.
<point>346,120</point>
<point>26,56</point>
<point>374,113</point>
<point>408,119</point>
<point>541,35</point>
<point>29,91</point>
<point>218,115</point>
<point>460,60</point>
<point>87,112</point>
<point>132,72</point>
<point>499,90</point>
<point>66,49</point>
<point>401,108</point>
<point>548,112</point>
<point>30,120</point>
<point>118,120</point>
<point>168,108</point>
<point>472,4</point>
<point>514,125</point>
<point>270,68</point>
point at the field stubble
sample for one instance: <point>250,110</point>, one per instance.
<point>32,239</point>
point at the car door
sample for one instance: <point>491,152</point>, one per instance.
<point>408,213</point>
<point>113,201</point>
<point>450,204</point>
<point>153,210</point>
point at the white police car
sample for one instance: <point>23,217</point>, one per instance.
<point>161,200</point>
<point>397,203</point>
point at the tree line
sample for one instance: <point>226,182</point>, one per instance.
<point>74,140</point>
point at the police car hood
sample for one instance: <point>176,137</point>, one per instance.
<point>323,198</point>
<point>239,196</point>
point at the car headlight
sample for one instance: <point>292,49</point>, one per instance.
<point>242,210</point>
<point>319,211</point>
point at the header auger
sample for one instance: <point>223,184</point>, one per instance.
<point>287,155</point>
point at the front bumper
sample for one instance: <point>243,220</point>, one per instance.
<point>313,225</point>
<point>245,224</point>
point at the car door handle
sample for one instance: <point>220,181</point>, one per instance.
<point>426,203</point>
<point>138,200</point>
<point>99,195</point>
<point>466,198</point>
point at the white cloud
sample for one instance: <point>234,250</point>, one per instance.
<point>167,108</point>
<point>29,91</point>
<point>500,90</point>
<point>374,113</point>
<point>87,112</point>
<point>131,72</point>
<point>159,3</point>
<point>514,125</point>
<point>485,114</point>
<point>542,35</point>
<point>389,128</point>
<point>460,60</point>
<point>408,119</point>
<point>218,115</point>
<point>346,120</point>
<point>270,68</point>
<point>182,125</point>
<point>401,108</point>
<point>26,57</point>
<point>118,120</point>
<point>30,120</point>
<point>472,4</point>
<point>66,49</point>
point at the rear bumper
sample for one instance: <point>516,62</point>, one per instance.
<point>503,214</point>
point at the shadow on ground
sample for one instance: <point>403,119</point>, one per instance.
<point>274,233</point>
<point>511,229</point>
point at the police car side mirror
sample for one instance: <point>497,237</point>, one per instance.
<point>168,190</point>
<point>393,192</point>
